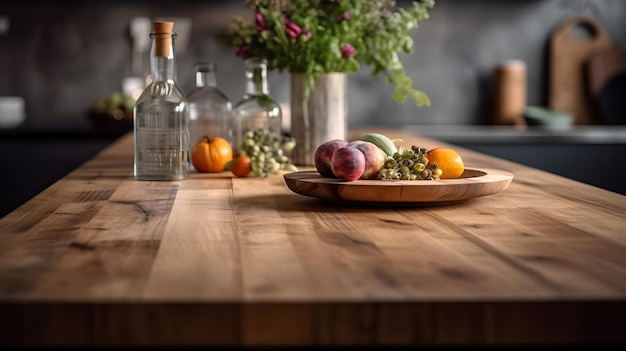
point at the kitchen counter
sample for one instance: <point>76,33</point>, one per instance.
<point>589,154</point>
<point>35,159</point>
<point>100,259</point>
<point>599,134</point>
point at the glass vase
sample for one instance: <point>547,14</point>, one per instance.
<point>322,117</point>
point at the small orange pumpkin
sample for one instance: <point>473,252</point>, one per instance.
<point>211,155</point>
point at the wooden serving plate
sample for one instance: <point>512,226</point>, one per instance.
<point>474,182</point>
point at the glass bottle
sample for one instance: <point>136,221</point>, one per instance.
<point>257,109</point>
<point>209,108</point>
<point>161,115</point>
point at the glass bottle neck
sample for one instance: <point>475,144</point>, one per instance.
<point>256,78</point>
<point>162,66</point>
<point>205,76</point>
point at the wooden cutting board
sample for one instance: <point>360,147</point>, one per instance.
<point>607,82</point>
<point>568,56</point>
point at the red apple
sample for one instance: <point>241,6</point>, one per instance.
<point>323,155</point>
<point>348,163</point>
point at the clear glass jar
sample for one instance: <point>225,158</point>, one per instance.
<point>209,108</point>
<point>257,109</point>
<point>161,115</point>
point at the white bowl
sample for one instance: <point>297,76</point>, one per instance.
<point>12,112</point>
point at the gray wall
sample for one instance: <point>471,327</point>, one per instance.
<point>62,57</point>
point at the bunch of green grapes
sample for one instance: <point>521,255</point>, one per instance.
<point>267,152</point>
<point>409,164</point>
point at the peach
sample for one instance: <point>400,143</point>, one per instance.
<point>374,158</point>
<point>348,163</point>
<point>323,155</point>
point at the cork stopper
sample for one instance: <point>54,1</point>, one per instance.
<point>163,38</point>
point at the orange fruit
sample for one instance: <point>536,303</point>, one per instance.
<point>241,166</point>
<point>448,160</point>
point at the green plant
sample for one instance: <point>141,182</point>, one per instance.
<point>323,36</point>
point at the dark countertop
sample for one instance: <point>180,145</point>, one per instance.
<point>589,154</point>
<point>522,135</point>
<point>35,156</point>
<point>68,130</point>
<point>449,133</point>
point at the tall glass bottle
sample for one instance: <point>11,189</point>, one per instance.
<point>161,115</point>
<point>209,108</point>
<point>257,109</point>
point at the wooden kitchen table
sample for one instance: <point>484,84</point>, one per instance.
<point>100,259</point>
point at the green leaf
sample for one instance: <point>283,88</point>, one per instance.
<point>400,95</point>
<point>421,99</point>
<point>408,45</point>
<point>378,29</point>
<point>353,65</point>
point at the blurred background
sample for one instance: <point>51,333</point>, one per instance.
<point>58,60</point>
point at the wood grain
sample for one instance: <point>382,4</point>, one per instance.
<point>100,259</point>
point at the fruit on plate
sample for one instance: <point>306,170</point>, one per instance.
<point>374,158</point>
<point>348,163</point>
<point>323,155</point>
<point>384,161</point>
<point>211,155</point>
<point>447,160</point>
<point>117,105</point>
<point>422,164</point>
<point>407,164</point>
<point>383,142</point>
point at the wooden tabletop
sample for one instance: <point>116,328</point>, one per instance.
<point>100,259</point>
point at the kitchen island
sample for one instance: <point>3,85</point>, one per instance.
<point>100,259</point>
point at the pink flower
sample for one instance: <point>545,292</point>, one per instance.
<point>242,50</point>
<point>260,22</point>
<point>344,16</point>
<point>307,34</point>
<point>347,51</point>
<point>293,30</point>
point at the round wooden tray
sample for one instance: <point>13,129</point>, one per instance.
<point>474,182</point>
